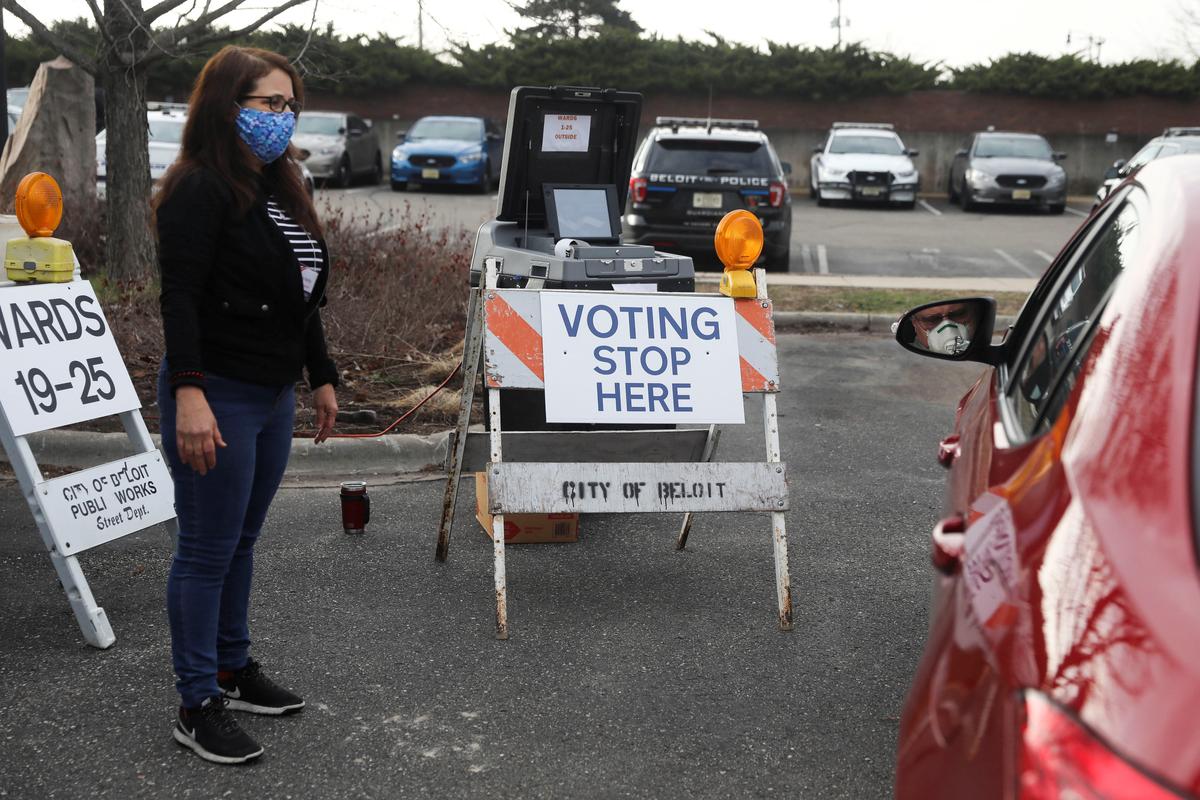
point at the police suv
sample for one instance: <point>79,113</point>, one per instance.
<point>690,172</point>
<point>864,161</point>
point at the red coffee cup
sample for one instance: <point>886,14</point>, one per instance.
<point>356,506</point>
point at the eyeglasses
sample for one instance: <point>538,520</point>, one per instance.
<point>277,102</point>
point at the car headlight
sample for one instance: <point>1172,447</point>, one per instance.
<point>831,172</point>
<point>908,176</point>
<point>399,153</point>
<point>331,150</point>
<point>1057,177</point>
<point>470,158</point>
<point>978,176</point>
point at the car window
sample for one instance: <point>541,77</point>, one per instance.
<point>166,130</point>
<point>319,125</point>
<point>1144,156</point>
<point>1013,147</point>
<point>710,157</point>
<point>1042,378</point>
<point>468,130</point>
<point>877,145</point>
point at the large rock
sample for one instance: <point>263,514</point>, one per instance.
<point>56,134</point>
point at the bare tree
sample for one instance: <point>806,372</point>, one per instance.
<point>131,43</point>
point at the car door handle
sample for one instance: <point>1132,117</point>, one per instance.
<point>948,450</point>
<point>947,539</point>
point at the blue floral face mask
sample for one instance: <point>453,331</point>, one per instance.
<point>266,133</point>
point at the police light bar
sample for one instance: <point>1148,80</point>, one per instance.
<point>703,122</point>
<point>1181,132</point>
<point>883,126</point>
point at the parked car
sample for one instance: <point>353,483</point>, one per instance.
<point>341,147</point>
<point>1173,142</point>
<point>16,98</point>
<point>863,161</point>
<point>997,168</point>
<point>165,123</point>
<point>459,151</point>
<point>689,172</point>
<point>1063,657</point>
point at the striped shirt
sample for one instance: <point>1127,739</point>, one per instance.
<point>306,249</point>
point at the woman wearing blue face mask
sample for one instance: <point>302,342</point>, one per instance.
<point>244,269</point>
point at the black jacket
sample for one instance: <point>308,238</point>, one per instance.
<point>232,300</point>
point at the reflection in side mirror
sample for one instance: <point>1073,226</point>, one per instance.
<point>960,153</point>
<point>913,153</point>
<point>957,330</point>
<point>818,150</point>
<point>401,135</point>
<point>1059,156</point>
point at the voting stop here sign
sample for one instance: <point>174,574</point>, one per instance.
<point>625,358</point>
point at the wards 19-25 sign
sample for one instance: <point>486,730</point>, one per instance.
<point>59,363</point>
<point>640,358</point>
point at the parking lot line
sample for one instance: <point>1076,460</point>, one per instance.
<point>1049,258</point>
<point>1075,211</point>
<point>806,258</point>
<point>1014,263</point>
<point>822,260</point>
<point>925,205</point>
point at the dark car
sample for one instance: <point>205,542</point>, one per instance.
<point>460,151</point>
<point>1173,142</point>
<point>996,168</point>
<point>1063,654</point>
<point>689,173</point>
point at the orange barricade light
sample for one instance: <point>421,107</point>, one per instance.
<point>739,242</point>
<point>39,257</point>
<point>39,204</point>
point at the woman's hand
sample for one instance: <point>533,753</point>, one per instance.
<point>325,404</point>
<point>196,434</point>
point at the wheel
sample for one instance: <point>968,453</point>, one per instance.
<point>1057,208</point>
<point>909,205</point>
<point>950,193</point>
<point>377,174</point>
<point>779,260</point>
<point>485,182</point>
<point>341,178</point>
<point>964,198</point>
<point>399,186</point>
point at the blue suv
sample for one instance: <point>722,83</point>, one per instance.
<point>453,151</point>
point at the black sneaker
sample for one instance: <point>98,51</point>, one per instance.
<point>250,690</point>
<point>213,733</point>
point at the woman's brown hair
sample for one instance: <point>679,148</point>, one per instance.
<point>211,140</point>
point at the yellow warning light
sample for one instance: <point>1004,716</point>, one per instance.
<point>39,204</point>
<point>739,242</point>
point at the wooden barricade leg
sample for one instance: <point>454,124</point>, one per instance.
<point>783,581</point>
<point>93,622</point>
<point>710,447</point>
<point>471,353</point>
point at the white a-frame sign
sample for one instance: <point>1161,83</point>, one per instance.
<point>59,365</point>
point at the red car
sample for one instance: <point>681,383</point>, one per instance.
<point>1063,658</point>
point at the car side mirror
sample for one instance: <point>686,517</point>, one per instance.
<point>952,330</point>
<point>1059,156</point>
<point>787,168</point>
<point>818,150</point>
<point>342,131</point>
<point>913,153</point>
<point>401,135</point>
<point>356,132</point>
<point>960,153</point>
<point>368,123</point>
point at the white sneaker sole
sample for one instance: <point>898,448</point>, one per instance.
<point>241,705</point>
<point>195,747</point>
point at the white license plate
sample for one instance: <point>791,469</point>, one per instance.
<point>707,200</point>
<point>1022,194</point>
<point>431,174</point>
<point>871,191</point>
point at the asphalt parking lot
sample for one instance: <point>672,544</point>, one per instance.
<point>933,239</point>
<point>633,670</point>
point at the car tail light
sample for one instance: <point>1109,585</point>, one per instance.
<point>778,193</point>
<point>1060,758</point>
<point>637,189</point>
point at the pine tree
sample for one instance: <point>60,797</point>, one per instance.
<point>573,18</point>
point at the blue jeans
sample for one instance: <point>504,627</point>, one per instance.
<point>220,516</point>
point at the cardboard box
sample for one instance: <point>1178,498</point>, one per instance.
<point>525,528</point>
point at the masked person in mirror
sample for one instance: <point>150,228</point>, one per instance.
<point>244,269</point>
<point>946,329</point>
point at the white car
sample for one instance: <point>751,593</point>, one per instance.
<point>864,161</point>
<point>165,122</point>
<point>1173,142</point>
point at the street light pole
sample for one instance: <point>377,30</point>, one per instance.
<point>420,24</point>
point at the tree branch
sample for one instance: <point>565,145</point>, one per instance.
<point>222,35</point>
<point>158,9</point>
<point>176,35</point>
<point>99,15</point>
<point>50,37</point>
